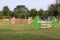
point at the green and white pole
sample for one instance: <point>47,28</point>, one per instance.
<point>36,25</point>
<point>31,19</point>
<point>54,22</point>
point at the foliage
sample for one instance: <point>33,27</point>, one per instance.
<point>21,11</point>
<point>5,11</point>
<point>33,13</point>
<point>54,9</point>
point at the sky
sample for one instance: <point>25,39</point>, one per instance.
<point>38,4</point>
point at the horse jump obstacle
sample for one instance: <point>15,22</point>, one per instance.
<point>44,24</point>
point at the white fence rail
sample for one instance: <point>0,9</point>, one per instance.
<point>45,24</point>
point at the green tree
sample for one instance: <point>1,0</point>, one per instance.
<point>41,12</point>
<point>58,11</point>
<point>33,13</point>
<point>20,11</point>
<point>5,11</point>
<point>53,9</point>
<point>11,14</point>
<point>46,13</point>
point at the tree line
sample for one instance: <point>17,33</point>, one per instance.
<point>21,11</point>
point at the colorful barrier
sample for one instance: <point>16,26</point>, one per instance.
<point>44,24</point>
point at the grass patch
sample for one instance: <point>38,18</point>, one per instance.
<point>24,31</point>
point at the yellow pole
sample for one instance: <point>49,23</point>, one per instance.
<point>2,19</point>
